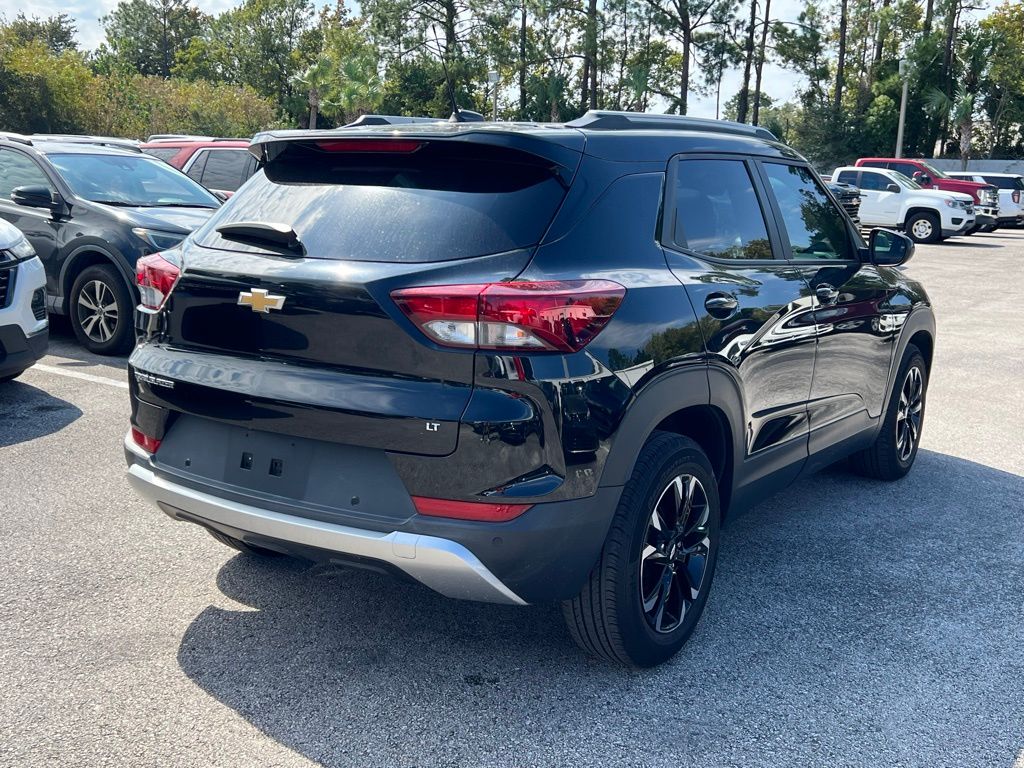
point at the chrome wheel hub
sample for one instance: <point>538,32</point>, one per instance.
<point>674,560</point>
<point>97,311</point>
<point>909,413</point>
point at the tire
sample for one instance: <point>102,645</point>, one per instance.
<point>924,227</point>
<point>101,285</point>
<point>889,457</point>
<point>241,546</point>
<point>12,376</point>
<point>610,618</point>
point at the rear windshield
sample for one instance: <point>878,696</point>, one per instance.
<point>1005,182</point>
<point>445,200</point>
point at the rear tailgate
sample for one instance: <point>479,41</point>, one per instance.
<point>336,360</point>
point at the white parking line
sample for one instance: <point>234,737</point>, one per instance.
<point>79,375</point>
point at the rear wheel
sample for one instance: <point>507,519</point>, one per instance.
<point>924,228</point>
<point>101,310</point>
<point>241,546</point>
<point>894,450</point>
<point>647,591</point>
<point>11,376</point>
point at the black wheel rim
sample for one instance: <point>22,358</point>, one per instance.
<point>97,311</point>
<point>676,548</point>
<point>909,413</point>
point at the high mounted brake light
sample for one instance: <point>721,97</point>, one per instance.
<point>399,146</point>
<point>155,276</point>
<point>542,316</point>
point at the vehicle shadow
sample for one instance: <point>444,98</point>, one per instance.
<point>851,622</point>
<point>971,243</point>
<point>27,412</point>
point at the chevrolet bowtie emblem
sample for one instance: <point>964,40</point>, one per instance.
<point>259,300</point>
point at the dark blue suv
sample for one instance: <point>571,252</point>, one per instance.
<point>523,363</point>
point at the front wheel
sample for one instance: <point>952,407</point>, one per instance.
<point>892,454</point>
<point>101,310</point>
<point>647,591</point>
<point>924,228</point>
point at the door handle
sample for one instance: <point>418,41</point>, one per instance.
<point>826,293</point>
<point>720,305</point>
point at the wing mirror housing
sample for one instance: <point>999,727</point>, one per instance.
<point>889,249</point>
<point>892,188</point>
<point>36,196</point>
<point>922,178</point>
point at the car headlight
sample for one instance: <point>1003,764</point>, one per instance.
<point>21,250</point>
<point>950,203</point>
<point>159,240</point>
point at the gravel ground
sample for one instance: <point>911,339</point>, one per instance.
<point>851,624</point>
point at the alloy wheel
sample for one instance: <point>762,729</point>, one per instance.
<point>674,561</point>
<point>97,311</point>
<point>909,413</point>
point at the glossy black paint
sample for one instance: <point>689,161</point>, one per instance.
<point>792,376</point>
<point>74,233</point>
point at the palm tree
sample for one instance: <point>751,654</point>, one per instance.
<point>959,111</point>
<point>360,89</point>
<point>320,83</point>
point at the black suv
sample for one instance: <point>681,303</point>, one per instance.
<point>90,210</point>
<point>522,363</point>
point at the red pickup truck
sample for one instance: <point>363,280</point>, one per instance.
<point>986,196</point>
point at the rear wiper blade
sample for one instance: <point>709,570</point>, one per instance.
<point>278,237</point>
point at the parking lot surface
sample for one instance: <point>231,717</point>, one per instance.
<point>852,623</point>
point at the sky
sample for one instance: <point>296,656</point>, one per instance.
<point>778,83</point>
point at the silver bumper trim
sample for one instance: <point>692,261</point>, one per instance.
<point>443,565</point>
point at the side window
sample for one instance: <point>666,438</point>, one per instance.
<point>873,164</point>
<point>874,182</point>
<point>717,212</point>
<point>815,227</point>
<point>907,169</point>
<point>847,177</point>
<point>164,153</point>
<point>195,171</point>
<point>224,169</point>
<point>19,170</point>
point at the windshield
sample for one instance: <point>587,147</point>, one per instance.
<point>934,172</point>
<point>905,180</point>
<point>130,180</point>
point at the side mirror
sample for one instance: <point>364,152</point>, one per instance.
<point>888,248</point>
<point>892,188</point>
<point>35,196</point>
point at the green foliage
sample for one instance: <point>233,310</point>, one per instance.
<point>146,35</point>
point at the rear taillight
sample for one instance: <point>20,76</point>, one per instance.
<point>155,277</point>
<point>545,316</point>
<point>144,441</point>
<point>1015,196</point>
<point>481,511</point>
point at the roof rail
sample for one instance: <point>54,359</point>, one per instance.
<point>607,120</point>
<point>102,141</point>
<point>389,120</point>
<point>18,137</point>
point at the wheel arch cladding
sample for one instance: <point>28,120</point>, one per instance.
<point>81,261</point>
<point>916,209</point>
<point>925,342</point>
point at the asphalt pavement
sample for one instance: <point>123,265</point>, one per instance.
<point>852,623</point>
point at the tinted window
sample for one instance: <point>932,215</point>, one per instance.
<point>907,169</point>
<point>874,182</point>
<point>164,153</point>
<point>195,170</point>
<point>130,180</point>
<point>815,227</point>
<point>1005,182</point>
<point>717,212</point>
<point>848,177</point>
<point>225,168</point>
<point>874,164</point>
<point>446,200</point>
<point>19,170</point>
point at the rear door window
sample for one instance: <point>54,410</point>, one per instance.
<point>847,177</point>
<point>225,169</point>
<point>717,211</point>
<point>907,169</point>
<point>446,200</point>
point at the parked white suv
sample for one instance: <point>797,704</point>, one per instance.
<point>24,331</point>
<point>1011,194</point>
<point>890,199</point>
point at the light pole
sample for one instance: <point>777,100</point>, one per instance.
<point>492,80</point>
<point>905,76</point>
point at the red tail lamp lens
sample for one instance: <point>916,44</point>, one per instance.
<point>155,277</point>
<point>540,316</point>
<point>400,146</point>
<point>144,441</point>
<point>468,510</point>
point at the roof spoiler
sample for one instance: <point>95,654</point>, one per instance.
<point>608,120</point>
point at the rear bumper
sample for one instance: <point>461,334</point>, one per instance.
<point>546,554</point>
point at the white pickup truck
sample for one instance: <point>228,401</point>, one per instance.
<point>1011,194</point>
<point>890,199</point>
